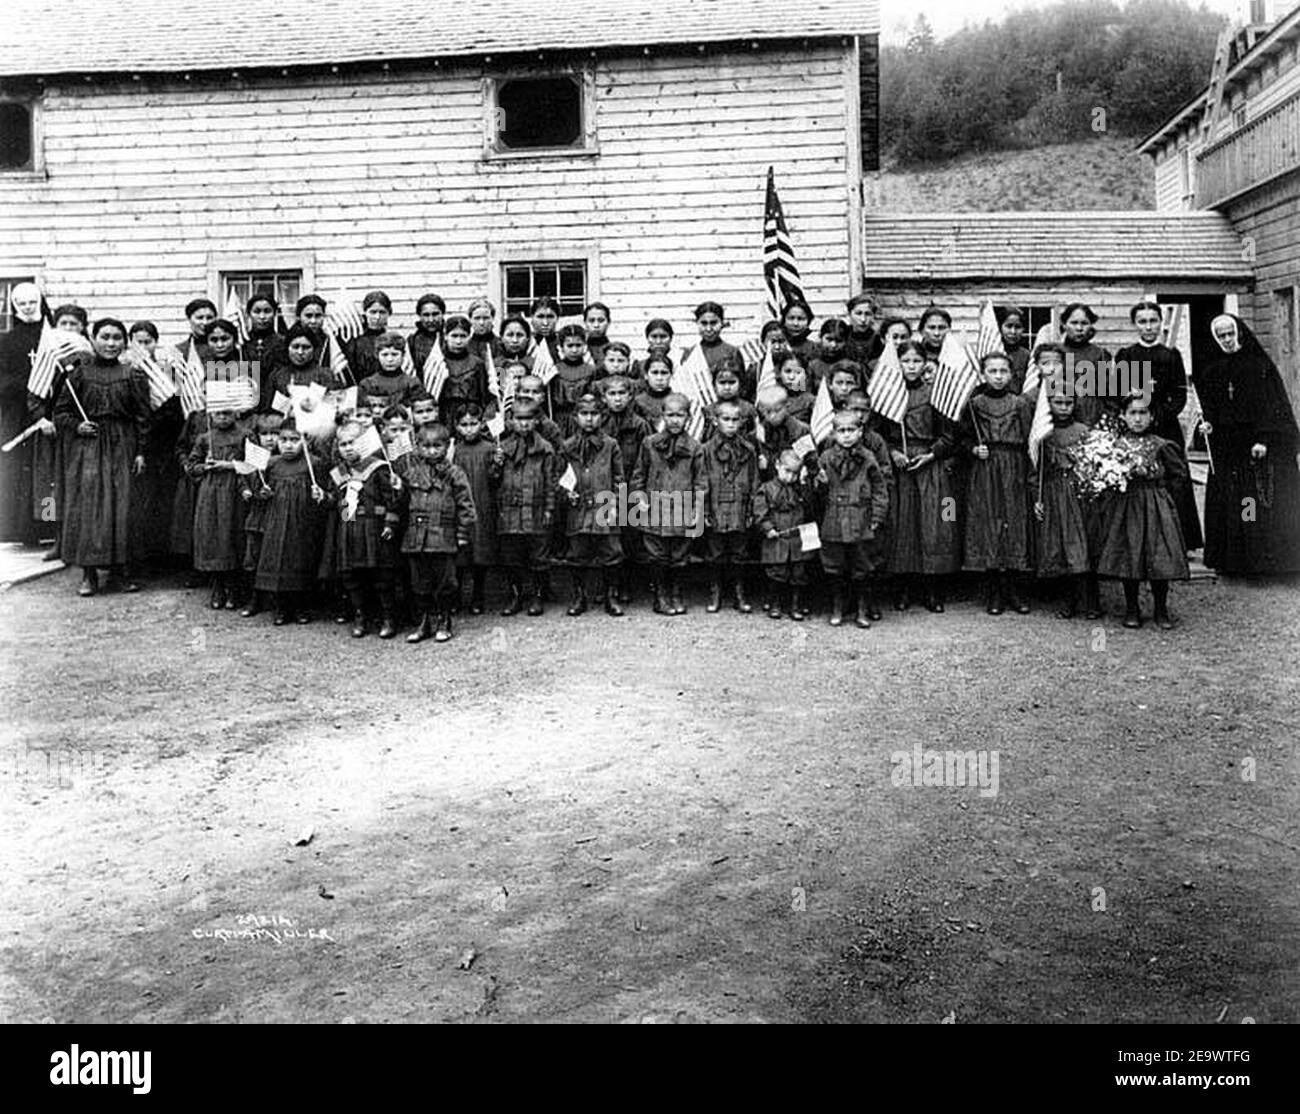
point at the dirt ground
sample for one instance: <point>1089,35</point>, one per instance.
<point>648,819</point>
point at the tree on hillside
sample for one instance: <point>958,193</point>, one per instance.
<point>1039,76</point>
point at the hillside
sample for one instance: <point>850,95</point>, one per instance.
<point>1100,173</point>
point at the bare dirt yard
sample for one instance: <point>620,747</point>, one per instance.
<point>648,819</point>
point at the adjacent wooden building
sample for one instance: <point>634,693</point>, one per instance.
<point>615,151</point>
<point>1235,151</point>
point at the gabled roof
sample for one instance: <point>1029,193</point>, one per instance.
<point>1145,243</point>
<point>43,37</point>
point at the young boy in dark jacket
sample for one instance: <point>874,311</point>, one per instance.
<point>781,506</point>
<point>731,478</point>
<point>524,473</point>
<point>591,524</point>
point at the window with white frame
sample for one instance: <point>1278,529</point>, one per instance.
<point>285,286</point>
<point>6,311</point>
<point>564,280</point>
<point>539,114</point>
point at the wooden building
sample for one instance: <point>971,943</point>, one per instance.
<point>1041,261</point>
<point>1235,150</point>
<point>150,152</point>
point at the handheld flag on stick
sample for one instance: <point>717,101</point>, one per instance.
<point>1033,374</point>
<point>989,338</point>
<point>888,389</point>
<point>345,322</point>
<point>436,371</point>
<point>766,373</point>
<point>369,443</point>
<point>235,315</point>
<point>55,346</point>
<point>543,362</point>
<point>1041,425</point>
<point>257,456</point>
<point>189,382</point>
<point>226,394</point>
<point>822,420</point>
<point>161,386</point>
<point>780,275</point>
<point>691,378</point>
<point>400,445</point>
<point>955,379</point>
<point>408,361</point>
<point>338,362</point>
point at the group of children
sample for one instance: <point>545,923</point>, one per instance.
<point>409,500</point>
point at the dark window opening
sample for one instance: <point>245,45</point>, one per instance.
<point>539,112</point>
<point>565,282</point>
<point>15,136</point>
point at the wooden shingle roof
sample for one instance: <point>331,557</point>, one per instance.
<point>43,37</point>
<point>1055,245</point>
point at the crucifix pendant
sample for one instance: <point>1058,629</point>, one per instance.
<point>1231,390</point>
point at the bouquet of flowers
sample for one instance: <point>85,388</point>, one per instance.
<point>1104,461</point>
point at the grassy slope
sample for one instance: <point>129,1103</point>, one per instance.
<point>1102,173</point>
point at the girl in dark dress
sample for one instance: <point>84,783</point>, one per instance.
<point>995,429</point>
<point>1011,324</point>
<point>1086,364</point>
<point>796,323</point>
<point>293,528</point>
<point>864,344</point>
<point>711,319</point>
<point>376,308</point>
<point>474,452</point>
<point>102,413</point>
<point>262,344</point>
<point>47,461</point>
<point>515,338</point>
<point>925,529</point>
<point>483,341</point>
<point>1141,538</point>
<point>300,368</point>
<point>1060,533</point>
<point>1252,500</point>
<point>933,327</point>
<point>218,507</point>
<point>1168,392</point>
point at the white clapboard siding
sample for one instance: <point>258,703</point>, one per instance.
<point>381,182</point>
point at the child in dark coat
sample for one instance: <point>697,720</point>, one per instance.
<point>256,494</point>
<point>668,486</point>
<point>857,504</point>
<point>731,476</point>
<point>467,380</point>
<point>218,508</point>
<point>474,451</point>
<point>390,382</point>
<point>573,376</point>
<point>524,474</point>
<point>657,373</point>
<point>781,505</point>
<point>362,529</point>
<point>439,515</point>
<point>629,429</point>
<point>594,546</point>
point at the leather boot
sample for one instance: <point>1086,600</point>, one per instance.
<point>797,612</point>
<point>873,612</point>
<point>515,599</point>
<point>679,604</point>
<point>358,623</point>
<point>624,590</point>
<point>903,598</point>
<point>663,604</point>
<point>742,603</point>
<point>423,631</point>
<point>1160,592</point>
<point>1091,597</point>
<point>715,595</point>
<point>1016,598</point>
<point>1132,612</point>
<point>579,602</point>
<point>837,605</point>
<point>217,600</point>
<point>89,582</point>
<point>1070,602</point>
<point>539,589</point>
<point>476,592</point>
<point>443,631</point>
<point>610,592</point>
<point>863,619</point>
<point>934,595</point>
<point>253,606</point>
<point>993,592</point>
<point>387,627</point>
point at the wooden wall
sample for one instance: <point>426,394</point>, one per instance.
<point>380,181</point>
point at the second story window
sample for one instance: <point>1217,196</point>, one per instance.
<point>539,115</point>
<point>18,135</point>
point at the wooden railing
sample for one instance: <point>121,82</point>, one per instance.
<point>1263,149</point>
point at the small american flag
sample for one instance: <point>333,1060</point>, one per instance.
<point>1046,335</point>
<point>344,323</point>
<point>888,389</point>
<point>780,274</point>
<point>989,338</point>
<point>256,455</point>
<point>235,315</point>
<point>408,361</point>
<point>543,363</point>
<point>822,420</point>
<point>1041,425</point>
<point>692,379</point>
<point>752,351</point>
<point>161,385</point>
<point>955,379</point>
<point>399,446</point>
<point>337,360</point>
<point>189,382</point>
<point>55,346</point>
<point>435,370</point>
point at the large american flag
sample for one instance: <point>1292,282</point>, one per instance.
<point>955,378</point>
<point>780,274</point>
<point>345,322</point>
